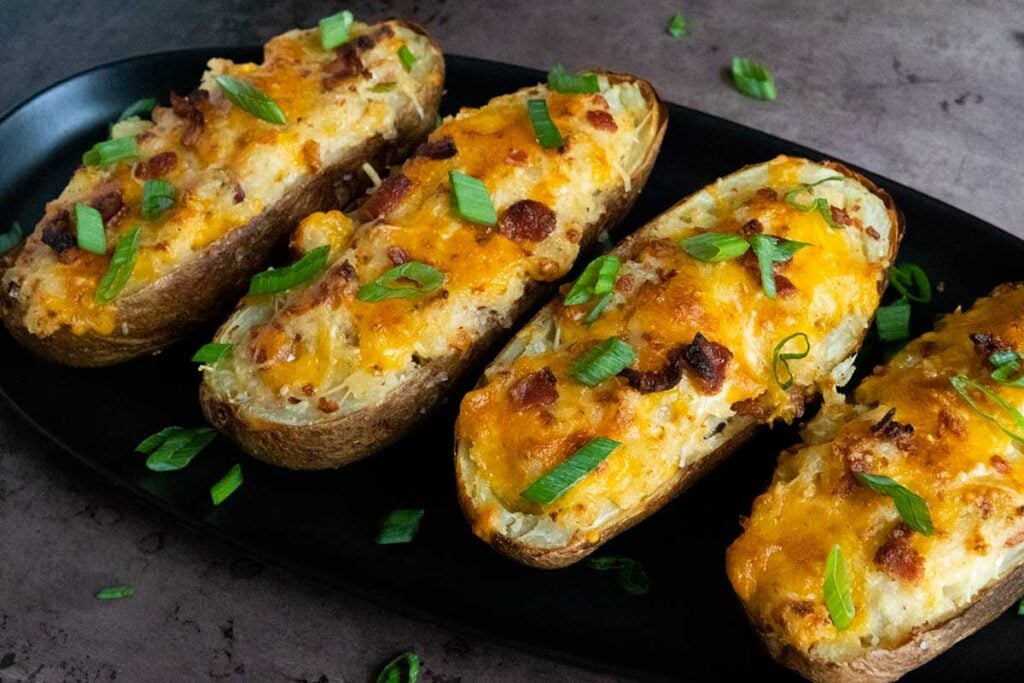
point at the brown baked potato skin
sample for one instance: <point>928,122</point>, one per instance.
<point>351,437</point>
<point>188,297</point>
<point>582,545</point>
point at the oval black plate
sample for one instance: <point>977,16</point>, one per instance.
<point>323,524</point>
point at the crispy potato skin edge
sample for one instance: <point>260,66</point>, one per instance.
<point>351,437</point>
<point>580,547</point>
<point>206,288</point>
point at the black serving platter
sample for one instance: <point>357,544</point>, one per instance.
<point>323,524</point>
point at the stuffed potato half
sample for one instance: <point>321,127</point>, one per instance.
<point>603,408</point>
<point>442,257</point>
<point>916,487</point>
<point>198,197</point>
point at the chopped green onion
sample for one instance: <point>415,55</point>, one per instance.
<point>962,385</point>
<point>405,668</point>
<point>108,152</point>
<point>819,204</point>
<point>471,200</point>
<point>400,526</point>
<point>138,108</point>
<point>228,484</point>
<point>407,57</point>
<point>911,281</point>
<point>251,100</point>
<point>543,127</point>
<point>770,250</point>
<point>598,309</point>
<point>838,594</point>
<point>157,197</point>
<point>560,80</point>
<point>597,278</point>
<point>384,87</point>
<point>425,279</point>
<point>115,593</point>
<point>11,238</point>
<point>893,321</point>
<point>629,573</point>
<point>212,352</point>
<point>554,484</point>
<point>779,357</point>
<point>1020,608</point>
<point>173,448</point>
<point>282,279</point>
<point>912,507</point>
<point>678,27</point>
<point>713,247</point>
<point>603,361</point>
<point>1007,364</point>
<point>89,226</point>
<point>122,263</point>
<point>753,79</point>
<point>334,29</point>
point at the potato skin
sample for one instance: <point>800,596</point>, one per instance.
<point>337,442</point>
<point>581,547</point>
<point>188,297</point>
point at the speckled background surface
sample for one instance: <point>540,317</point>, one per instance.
<point>926,93</point>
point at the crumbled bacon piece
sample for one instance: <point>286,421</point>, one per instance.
<point>346,65</point>
<point>784,287</point>
<point>602,120</point>
<point>441,148</point>
<point>57,233</point>
<point>751,227</point>
<point>951,423</point>
<point>527,220</point>
<point>707,361</point>
<point>189,108</point>
<point>872,233</point>
<point>1000,464</point>
<point>111,206</point>
<point>158,166</point>
<point>398,256</point>
<point>898,432</point>
<point>839,216</point>
<point>766,194</point>
<point>897,558</point>
<point>987,344</point>
<point>536,389</point>
<point>326,405</point>
<point>238,196</point>
<point>384,200</point>
<point>516,157</point>
<point>624,284</point>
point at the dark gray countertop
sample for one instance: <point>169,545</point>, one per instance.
<point>926,93</point>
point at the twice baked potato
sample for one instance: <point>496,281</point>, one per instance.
<point>199,196</point>
<point>435,264</point>
<point>604,407</point>
<point>915,490</point>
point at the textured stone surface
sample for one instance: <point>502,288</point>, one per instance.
<point>926,93</point>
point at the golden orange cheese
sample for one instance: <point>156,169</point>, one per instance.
<point>968,471</point>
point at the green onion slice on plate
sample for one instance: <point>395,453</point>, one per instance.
<point>893,321</point>
<point>173,448</point>
<point>251,100</point>
<point>408,281</point>
<point>555,483</point>
<point>227,485</point>
<point>629,573</point>
<point>115,593</point>
<point>678,27</point>
<point>405,668</point>
<point>282,279</point>
<point>399,526</point>
<point>471,200</point>
<point>753,79</point>
<point>12,238</point>
<point>911,281</point>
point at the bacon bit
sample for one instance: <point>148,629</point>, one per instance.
<point>536,389</point>
<point>624,284</point>
<point>311,155</point>
<point>752,227</point>
<point>111,206</point>
<point>840,216</point>
<point>951,423</point>
<point>928,348</point>
<point>888,428</point>
<point>326,405</point>
<point>897,558</point>
<point>69,255</point>
<point>984,506</point>
<point>239,195</point>
<point>364,42</point>
<point>293,400</point>
<point>308,389</point>
<point>158,166</point>
<point>573,235</point>
<point>1014,540</point>
<point>784,287</point>
<point>651,381</point>
<point>707,361</point>
<point>527,221</point>
<point>57,232</point>
<point>516,157</point>
<point>189,108</point>
<point>766,194</point>
<point>987,344</point>
<point>599,101</point>
<point>269,344</point>
<point>346,65</point>
<point>441,148</point>
<point>398,256</point>
<point>602,120</point>
<point>754,407</point>
<point>999,464</point>
<point>872,233</point>
<point>386,198</point>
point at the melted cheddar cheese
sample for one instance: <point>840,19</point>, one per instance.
<point>663,298</point>
<point>970,474</point>
<point>238,167</point>
<point>311,352</point>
